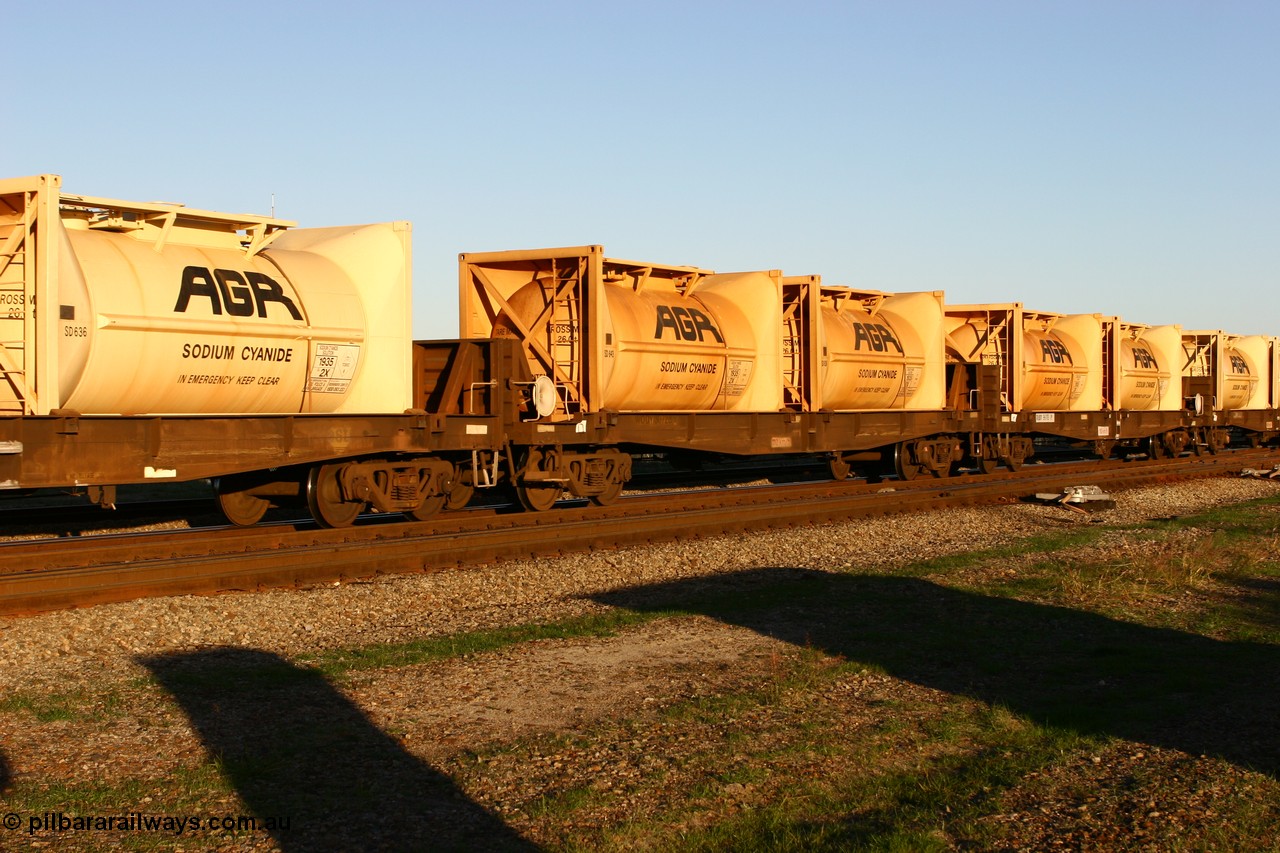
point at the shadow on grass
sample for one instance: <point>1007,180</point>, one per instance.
<point>298,751</point>
<point>5,777</point>
<point>1056,666</point>
<point>1257,599</point>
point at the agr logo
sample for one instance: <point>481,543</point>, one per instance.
<point>1055,351</point>
<point>687,324</point>
<point>242,294</point>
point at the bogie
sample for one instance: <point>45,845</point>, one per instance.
<point>545,474</point>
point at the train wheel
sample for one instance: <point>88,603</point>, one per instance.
<point>840,469</point>
<point>428,508</point>
<point>241,508</point>
<point>1156,448</point>
<point>324,498</point>
<point>461,493</point>
<point>902,464</point>
<point>610,495</point>
<point>538,498</point>
<point>987,465</point>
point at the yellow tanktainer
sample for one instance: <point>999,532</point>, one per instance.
<point>129,308</point>
<point>621,335</point>
<point>870,350</point>
<point>1144,363</point>
<point>1225,372</point>
<point>1051,362</point>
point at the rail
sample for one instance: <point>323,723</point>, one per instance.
<point>65,573</point>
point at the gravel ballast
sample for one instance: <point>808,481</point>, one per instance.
<point>58,651</point>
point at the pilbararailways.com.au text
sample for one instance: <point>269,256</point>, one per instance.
<point>58,822</point>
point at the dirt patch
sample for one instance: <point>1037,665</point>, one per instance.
<point>559,686</point>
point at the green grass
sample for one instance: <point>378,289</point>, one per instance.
<point>338,662</point>
<point>1046,543</point>
<point>76,706</point>
<point>976,755</point>
<point>187,792</point>
<point>939,797</point>
<point>1014,678</point>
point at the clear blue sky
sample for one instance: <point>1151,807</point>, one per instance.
<point>1118,157</point>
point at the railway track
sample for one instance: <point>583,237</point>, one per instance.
<point>52,574</point>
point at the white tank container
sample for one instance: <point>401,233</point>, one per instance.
<point>663,349</point>
<point>1237,383</point>
<point>1144,366</point>
<point>164,310</point>
<point>1052,362</point>
<point>1274,361</point>
<point>881,351</point>
<point>1061,365</point>
<point>1244,385</point>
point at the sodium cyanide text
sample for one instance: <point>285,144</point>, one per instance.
<point>246,353</point>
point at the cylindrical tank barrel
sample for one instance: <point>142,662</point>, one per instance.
<point>187,328</point>
<point>1142,379</point>
<point>1054,371</point>
<point>1239,378</point>
<point>871,361</point>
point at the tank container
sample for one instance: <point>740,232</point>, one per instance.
<point>162,309</point>
<point>1144,365</point>
<point>1051,362</point>
<point>875,350</point>
<point>630,336</point>
<point>1226,371</point>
